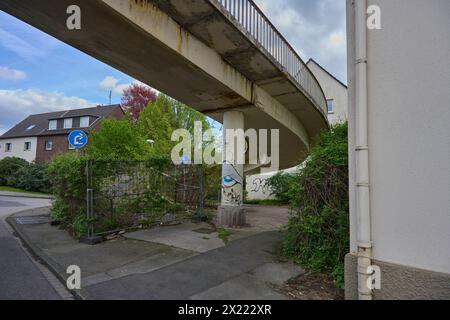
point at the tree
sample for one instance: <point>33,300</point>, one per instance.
<point>117,140</point>
<point>162,117</point>
<point>156,123</point>
<point>136,97</point>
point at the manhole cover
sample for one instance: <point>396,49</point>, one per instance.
<point>32,219</point>
<point>204,230</point>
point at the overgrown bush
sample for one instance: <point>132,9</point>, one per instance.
<point>317,236</point>
<point>67,176</point>
<point>283,186</point>
<point>9,167</point>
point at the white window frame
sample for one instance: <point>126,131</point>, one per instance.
<point>25,146</point>
<point>48,142</point>
<point>68,122</point>
<point>83,123</point>
<point>10,146</point>
<point>52,124</point>
<point>332,106</point>
<point>70,147</point>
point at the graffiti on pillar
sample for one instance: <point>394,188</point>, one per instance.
<point>261,185</point>
<point>232,183</point>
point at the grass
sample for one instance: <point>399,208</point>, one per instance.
<point>12,189</point>
<point>224,234</point>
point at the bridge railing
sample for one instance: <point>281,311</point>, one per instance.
<point>258,26</point>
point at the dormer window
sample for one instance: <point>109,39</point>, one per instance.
<point>68,123</point>
<point>52,124</point>
<point>84,122</point>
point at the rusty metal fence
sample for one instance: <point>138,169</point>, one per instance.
<point>123,195</point>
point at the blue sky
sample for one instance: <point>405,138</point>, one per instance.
<point>40,74</point>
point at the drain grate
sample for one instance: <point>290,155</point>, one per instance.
<point>32,219</point>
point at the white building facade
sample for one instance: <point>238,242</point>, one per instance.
<point>399,148</point>
<point>24,148</point>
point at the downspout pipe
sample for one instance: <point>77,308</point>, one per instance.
<point>364,237</point>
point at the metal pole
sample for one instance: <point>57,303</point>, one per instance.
<point>89,198</point>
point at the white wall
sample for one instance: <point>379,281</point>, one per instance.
<point>257,187</point>
<point>409,133</point>
<point>18,148</point>
<point>332,90</point>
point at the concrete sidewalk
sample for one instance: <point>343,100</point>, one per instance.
<point>163,263</point>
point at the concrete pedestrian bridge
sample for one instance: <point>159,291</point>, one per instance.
<point>222,57</point>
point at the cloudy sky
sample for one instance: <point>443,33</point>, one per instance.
<point>40,74</point>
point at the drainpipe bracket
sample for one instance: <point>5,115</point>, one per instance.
<point>365,245</point>
<point>362,60</point>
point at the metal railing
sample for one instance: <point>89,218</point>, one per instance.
<point>259,27</point>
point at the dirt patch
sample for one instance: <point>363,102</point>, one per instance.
<point>311,286</point>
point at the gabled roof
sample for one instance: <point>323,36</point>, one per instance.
<point>37,124</point>
<point>326,71</point>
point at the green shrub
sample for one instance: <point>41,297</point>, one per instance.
<point>80,226</point>
<point>317,235</point>
<point>67,176</point>
<point>33,177</point>
<point>283,186</point>
<point>9,167</point>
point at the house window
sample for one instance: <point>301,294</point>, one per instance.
<point>8,147</point>
<point>31,127</point>
<point>52,124</point>
<point>330,105</point>
<point>84,122</point>
<point>68,123</point>
<point>49,145</point>
<point>27,146</point>
<point>71,147</point>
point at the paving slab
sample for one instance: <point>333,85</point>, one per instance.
<point>152,263</point>
<point>182,236</point>
<point>256,284</point>
<point>277,273</point>
<point>196,274</point>
<point>243,287</point>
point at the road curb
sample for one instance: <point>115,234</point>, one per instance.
<point>38,254</point>
<point>26,195</point>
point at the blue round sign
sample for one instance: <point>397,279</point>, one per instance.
<point>78,139</point>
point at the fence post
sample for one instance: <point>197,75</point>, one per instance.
<point>201,189</point>
<point>89,198</point>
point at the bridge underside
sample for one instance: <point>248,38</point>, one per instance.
<point>213,76</point>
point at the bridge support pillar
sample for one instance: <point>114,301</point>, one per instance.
<point>231,212</point>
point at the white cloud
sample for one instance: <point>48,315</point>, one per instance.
<point>316,28</point>
<point>16,105</point>
<point>109,83</point>
<point>19,46</point>
<point>112,84</point>
<point>11,74</point>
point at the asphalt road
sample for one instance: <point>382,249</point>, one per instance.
<point>20,278</point>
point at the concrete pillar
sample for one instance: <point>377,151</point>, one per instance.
<point>231,212</point>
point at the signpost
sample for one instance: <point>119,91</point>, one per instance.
<point>78,139</point>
